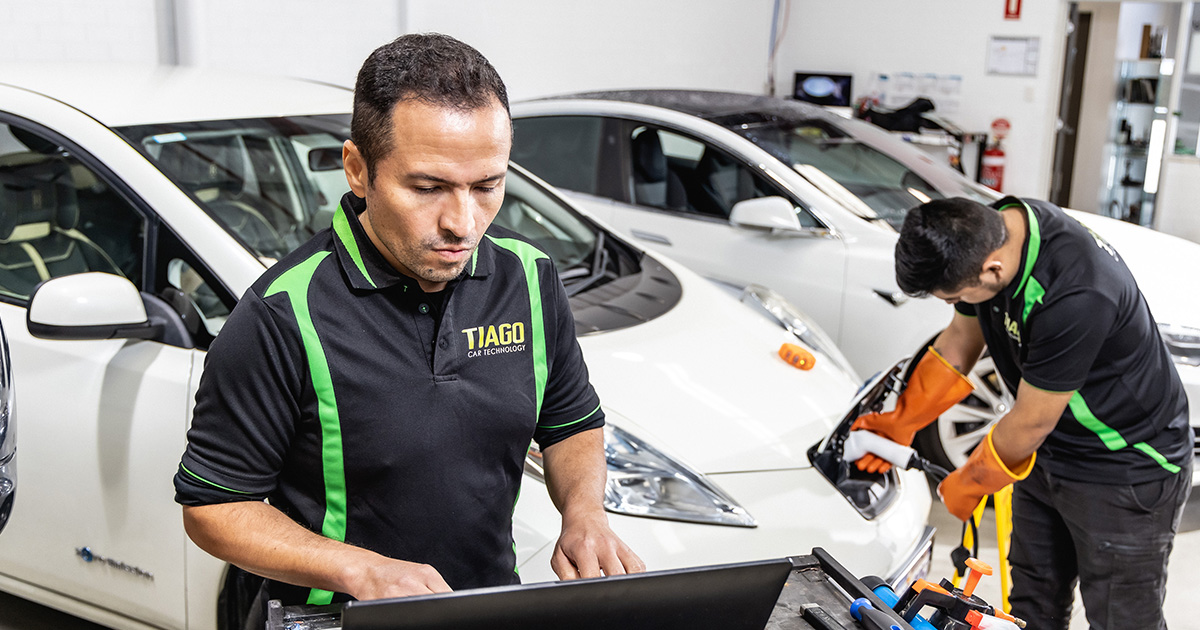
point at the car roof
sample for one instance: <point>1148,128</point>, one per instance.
<point>726,108</point>
<point>119,95</point>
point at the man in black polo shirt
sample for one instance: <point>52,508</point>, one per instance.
<point>380,385</point>
<point>1098,434</point>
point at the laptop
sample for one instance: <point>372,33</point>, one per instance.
<point>731,597</point>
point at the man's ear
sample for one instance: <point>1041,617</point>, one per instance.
<point>356,169</point>
<point>993,271</point>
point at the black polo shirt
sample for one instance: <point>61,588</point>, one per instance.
<point>1074,320</point>
<point>375,414</point>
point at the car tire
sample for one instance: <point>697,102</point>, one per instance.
<point>948,442</point>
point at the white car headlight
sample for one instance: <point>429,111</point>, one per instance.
<point>798,323</point>
<point>642,481</point>
<point>1183,342</point>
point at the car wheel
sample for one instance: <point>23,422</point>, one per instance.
<point>949,440</point>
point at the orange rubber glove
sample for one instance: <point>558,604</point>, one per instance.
<point>983,474</point>
<point>934,387</point>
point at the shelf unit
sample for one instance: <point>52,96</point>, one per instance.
<point>1135,143</point>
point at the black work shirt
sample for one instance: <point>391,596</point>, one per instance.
<point>1074,320</point>
<point>375,415</point>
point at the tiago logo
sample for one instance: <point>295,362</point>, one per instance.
<point>489,340</point>
<point>1011,327</point>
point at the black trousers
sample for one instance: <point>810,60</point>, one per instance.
<point>1113,540</point>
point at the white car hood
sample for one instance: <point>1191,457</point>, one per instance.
<point>1163,265</point>
<point>707,378</point>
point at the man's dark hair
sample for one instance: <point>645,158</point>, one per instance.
<point>943,245</point>
<point>430,67</point>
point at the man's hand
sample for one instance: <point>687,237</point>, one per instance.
<point>386,577</point>
<point>1008,452</point>
<point>575,477</point>
<point>934,387</point>
<point>588,548</point>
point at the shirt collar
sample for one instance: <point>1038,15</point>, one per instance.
<point>367,269</point>
<point>1033,244</point>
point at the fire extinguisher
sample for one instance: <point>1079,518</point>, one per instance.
<point>992,173</point>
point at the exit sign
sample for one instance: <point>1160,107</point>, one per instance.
<point>1012,9</point>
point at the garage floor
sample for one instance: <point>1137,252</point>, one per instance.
<point>1183,589</point>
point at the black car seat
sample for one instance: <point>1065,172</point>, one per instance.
<point>654,183</point>
<point>214,173</point>
<point>39,215</point>
<point>717,184</point>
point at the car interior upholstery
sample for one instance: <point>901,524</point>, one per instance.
<point>654,182</point>
<point>39,222</point>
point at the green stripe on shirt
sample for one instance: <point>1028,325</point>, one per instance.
<point>295,282</point>
<point>529,255</point>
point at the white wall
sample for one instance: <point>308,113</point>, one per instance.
<point>544,47</point>
<point>864,37</point>
<point>63,30</point>
<point>312,39</point>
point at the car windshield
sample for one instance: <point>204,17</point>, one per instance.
<point>885,185</point>
<point>274,182</point>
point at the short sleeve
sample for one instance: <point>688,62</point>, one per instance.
<point>966,309</point>
<point>1065,334</point>
<point>570,404</point>
<point>247,406</point>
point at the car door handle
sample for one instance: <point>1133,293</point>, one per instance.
<point>895,298</point>
<point>650,236</point>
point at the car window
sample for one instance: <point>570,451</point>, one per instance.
<point>529,211</point>
<point>272,182</point>
<point>563,150</point>
<point>887,186</point>
<point>671,171</point>
<point>58,217</point>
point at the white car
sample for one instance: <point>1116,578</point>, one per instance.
<point>141,203</point>
<point>749,189</point>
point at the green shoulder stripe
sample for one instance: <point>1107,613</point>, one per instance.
<point>215,485</point>
<point>295,283</point>
<point>529,255</point>
<point>341,227</point>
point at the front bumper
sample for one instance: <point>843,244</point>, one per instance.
<point>796,509</point>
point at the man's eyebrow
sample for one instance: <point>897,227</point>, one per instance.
<point>441,180</point>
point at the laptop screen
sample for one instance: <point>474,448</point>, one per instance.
<point>734,597</point>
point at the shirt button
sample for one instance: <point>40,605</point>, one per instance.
<point>443,343</point>
<point>423,309</point>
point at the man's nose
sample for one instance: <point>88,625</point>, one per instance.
<point>459,217</point>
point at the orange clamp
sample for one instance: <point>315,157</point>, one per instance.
<point>922,585</point>
<point>976,569</point>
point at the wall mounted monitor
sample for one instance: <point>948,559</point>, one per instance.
<point>823,88</point>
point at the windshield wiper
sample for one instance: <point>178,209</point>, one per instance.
<point>595,272</point>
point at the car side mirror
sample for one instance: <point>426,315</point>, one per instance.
<point>89,305</point>
<point>774,213</point>
<point>325,159</point>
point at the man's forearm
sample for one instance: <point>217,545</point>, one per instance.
<point>261,539</point>
<point>575,477</point>
<point>961,343</point>
<point>576,473</point>
<point>1034,415</point>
